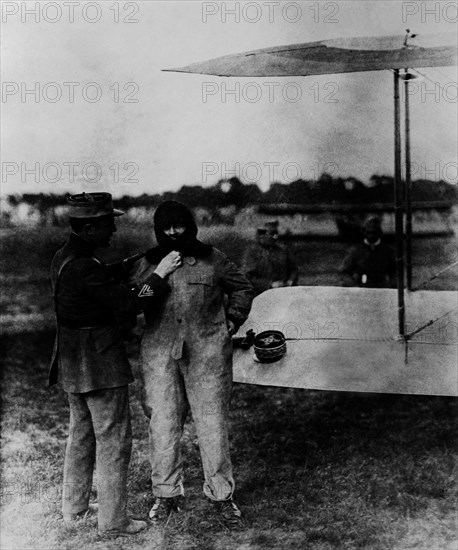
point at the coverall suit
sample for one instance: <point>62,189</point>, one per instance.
<point>187,363</point>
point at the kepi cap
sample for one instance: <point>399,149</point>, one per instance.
<point>269,346</point>
<point>273,224</point>
<point>92,205</point>
<point>272,228</point>
<point>373,223</point>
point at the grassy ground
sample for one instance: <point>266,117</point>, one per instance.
<point>314,470</point>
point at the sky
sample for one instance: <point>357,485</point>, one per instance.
<point>87,107</point>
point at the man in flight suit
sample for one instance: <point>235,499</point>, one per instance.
<point>372,263</point>
<point>93,308</point>
<point>187,360</point>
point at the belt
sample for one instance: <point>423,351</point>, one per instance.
<point>81,325</point>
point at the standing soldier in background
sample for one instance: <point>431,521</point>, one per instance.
<point>268,263</point>
<point>372,263</point>
<point>93,308</point>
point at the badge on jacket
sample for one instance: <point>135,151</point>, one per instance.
<point>146,291</point>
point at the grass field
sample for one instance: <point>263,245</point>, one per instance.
<point>314,470</point>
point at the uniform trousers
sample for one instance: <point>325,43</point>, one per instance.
<point>171,389</point>
<point>99,433</point>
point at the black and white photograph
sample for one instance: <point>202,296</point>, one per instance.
<point>229,266</point>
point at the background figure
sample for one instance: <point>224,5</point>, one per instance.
<point>93,309</point>
<point>371,263</point>
<point>269,263</point>
<point>187,360</point>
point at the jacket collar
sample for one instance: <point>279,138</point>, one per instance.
<point>196,249</point>
<point>372,246</point>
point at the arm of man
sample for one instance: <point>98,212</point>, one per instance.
<point>293,270</point>
<point>237,287</point>
<point>347,269</point>
<point>256,270</point>
<point>120,270</point>
<point>123,300</point>
<point>151,279</point>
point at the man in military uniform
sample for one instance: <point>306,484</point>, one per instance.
<point>93,308</point>
<point>372,263</point>
<point>269,263</point>
<point>187,360</point>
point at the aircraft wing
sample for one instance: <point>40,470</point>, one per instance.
<point>342,55</point>
<point>306,208</point>
<point>345,339</point>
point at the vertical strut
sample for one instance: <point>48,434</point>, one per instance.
<point>408,184</point>
<point>398,206</point>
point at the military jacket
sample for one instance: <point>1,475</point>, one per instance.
<point>265,264</point>
<point>93,309</point>
<point>372,267</point>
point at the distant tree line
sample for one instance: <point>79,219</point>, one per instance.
<point>232,192</point>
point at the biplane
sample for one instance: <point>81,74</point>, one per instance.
<point>356,339</point>
<point>344,221</point>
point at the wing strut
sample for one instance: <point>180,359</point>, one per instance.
<point>435,276</point>
<point>408,184</point>
<point>398,206</point>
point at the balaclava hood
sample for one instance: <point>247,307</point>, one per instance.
<point>175,213</point>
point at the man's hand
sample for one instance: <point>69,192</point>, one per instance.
<point>168,264</point>
<point>231,327</point>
